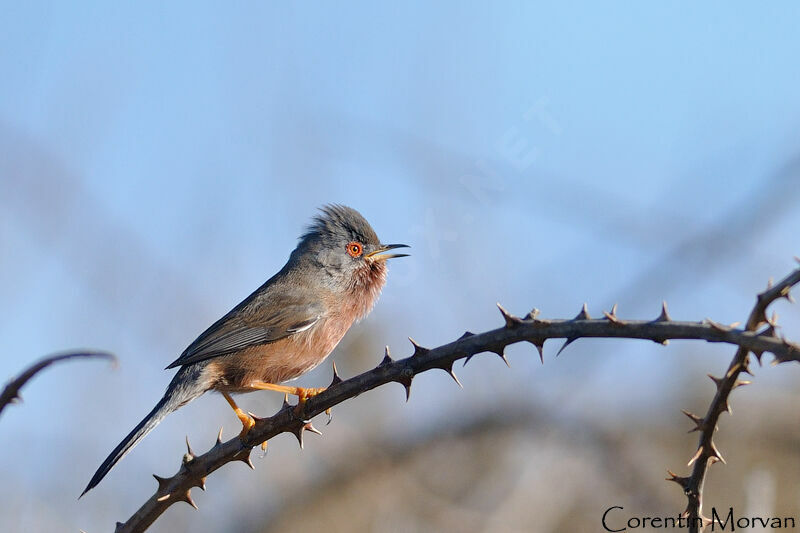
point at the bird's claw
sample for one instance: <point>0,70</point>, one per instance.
<point>303,395</point>
<point>248,422</point>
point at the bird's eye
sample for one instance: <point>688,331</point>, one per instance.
<point>354,249</point>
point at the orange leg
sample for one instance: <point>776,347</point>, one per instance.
<point>246,420</point>
<point>302,393</point>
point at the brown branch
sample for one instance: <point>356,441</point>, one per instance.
<point>707,452</point>
<point>11,394</point>
<point>195,468</point>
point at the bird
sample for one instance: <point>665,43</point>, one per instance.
<point>285,328</point>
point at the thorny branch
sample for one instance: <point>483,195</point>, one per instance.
<point>10,393</point>
<point>707,452</point>
<point>195,468</point>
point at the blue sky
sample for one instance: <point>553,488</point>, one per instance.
<point>158,161</point>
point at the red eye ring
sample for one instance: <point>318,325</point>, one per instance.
<point>354,249</point>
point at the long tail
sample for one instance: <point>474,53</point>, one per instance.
<point>184,388</point>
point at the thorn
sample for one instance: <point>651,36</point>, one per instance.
<point>466,335</point>
<point>733,325</point>
<point>539,343</point>
<point>311,429</point>
<point>569,341</point>
<point>189,452</point>
<point>726,407</point>
<point>696,456</point>
<point>453,374</point>
<point>717,381</point>
<point>387,359</point>
<point>329,412</point>
<point>201,483</point>
<point>773,320</point>
<point>264,448</point>
<point>664,316</point>
<point>741,383</point>
<point>768,331</point>
<point>17,398</point>
<point>698,421</point>
<point>187,497</point>
<point>682,481</point>
<point>502,355</point>
<point>715,453</point>
<point>612,316</point>
<point>532,314</point>
<point>286,404</point>
<point>511,320</point>
<point>162,484</point>
<point>746,366</point>
<point>219,438</point>
<point>769,283</point>
<point>298,432</point>
<point>336,379</point>
<point>405,380</point>
<point>716,325</point>
<point>500,351</point>
<point>583,314</point>
<point>244,456</point>
<point>418,350</point>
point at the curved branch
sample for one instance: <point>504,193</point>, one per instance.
<point>10,393</point>
<point>707,452</point>
<point>195,468</point>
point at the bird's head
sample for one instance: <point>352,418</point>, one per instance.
<point>345,250</point>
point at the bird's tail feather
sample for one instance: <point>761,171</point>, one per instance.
<point>181,390</point>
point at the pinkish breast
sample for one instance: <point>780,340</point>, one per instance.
<point>293,356</point>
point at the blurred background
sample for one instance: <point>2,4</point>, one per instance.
<point>158,162</point>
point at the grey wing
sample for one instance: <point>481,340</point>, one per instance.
<point>243,327</point>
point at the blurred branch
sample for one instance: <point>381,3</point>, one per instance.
<point>11,394</point>
<point>360,477</point>
<point>76,226</point>
<point>719,241</point>
<point>707,452</point>
<point>195,468</point>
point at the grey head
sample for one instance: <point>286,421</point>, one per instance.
<point>343,247</point>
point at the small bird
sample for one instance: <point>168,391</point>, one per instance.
<point>285,328</point>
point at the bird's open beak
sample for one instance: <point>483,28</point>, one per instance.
<point>376,255</point>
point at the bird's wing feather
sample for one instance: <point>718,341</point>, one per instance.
<point>245,326</point>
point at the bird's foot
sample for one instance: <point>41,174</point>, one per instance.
<point>302,393</point>
<point>247,421</point>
